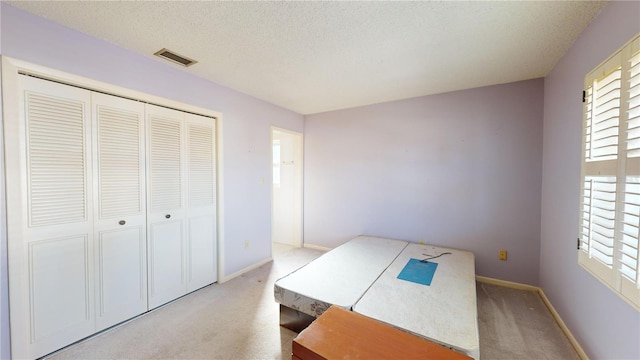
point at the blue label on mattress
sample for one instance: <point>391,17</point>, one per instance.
<point>418,272</point>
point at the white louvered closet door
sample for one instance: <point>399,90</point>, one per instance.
<point>120,216</point>
<point>201,201</point>
<point>166,205</point>
<point>50,214</point>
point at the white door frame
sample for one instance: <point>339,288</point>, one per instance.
<point>300,172</point>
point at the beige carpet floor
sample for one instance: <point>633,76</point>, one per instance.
<point>239,320</point>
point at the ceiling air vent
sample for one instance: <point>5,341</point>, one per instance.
<point>173,57</point>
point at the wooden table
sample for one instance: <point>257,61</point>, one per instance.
<point>342,334</point>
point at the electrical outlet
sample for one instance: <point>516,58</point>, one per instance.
<point>503,254</point>
<point>246,244</point>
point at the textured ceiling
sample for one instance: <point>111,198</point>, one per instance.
<point>318,56</point>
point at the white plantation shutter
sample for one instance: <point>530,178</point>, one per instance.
<point>630,221</point>
<point>630,212</point>
<point>633,121</point>
<point>610,198</point>
<point>603,128</point>
<point>600,207</point>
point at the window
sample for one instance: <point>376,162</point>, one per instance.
<point>610,197</point>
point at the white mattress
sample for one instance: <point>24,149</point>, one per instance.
<point>444,312</point>
<point>339,277</point>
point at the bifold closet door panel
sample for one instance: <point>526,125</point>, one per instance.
<point>120,216</point>
<point>49,210</point>
<point>201,208</point>
<point>166,205</point>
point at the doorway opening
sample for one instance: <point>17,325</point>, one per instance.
<point>286,191</point>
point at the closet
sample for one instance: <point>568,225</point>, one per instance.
<point>181,216</point>
<point>111,207</point>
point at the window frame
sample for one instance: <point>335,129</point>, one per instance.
<point>623,168</point>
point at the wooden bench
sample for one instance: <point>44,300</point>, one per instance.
<point>342,334</point>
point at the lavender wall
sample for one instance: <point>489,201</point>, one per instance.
<point>5,343</point>
<point>460,169</point>
<point>247,121</point>
<point>605,326</point>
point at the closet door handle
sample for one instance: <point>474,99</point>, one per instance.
<point>122,222</point>
<point>168,216</point>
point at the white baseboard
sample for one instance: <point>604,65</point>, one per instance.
<point>563,326</point>
<point>546,301</point>
<point>316,247</point>
<point>509,284</point>
<point>226,278</point>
